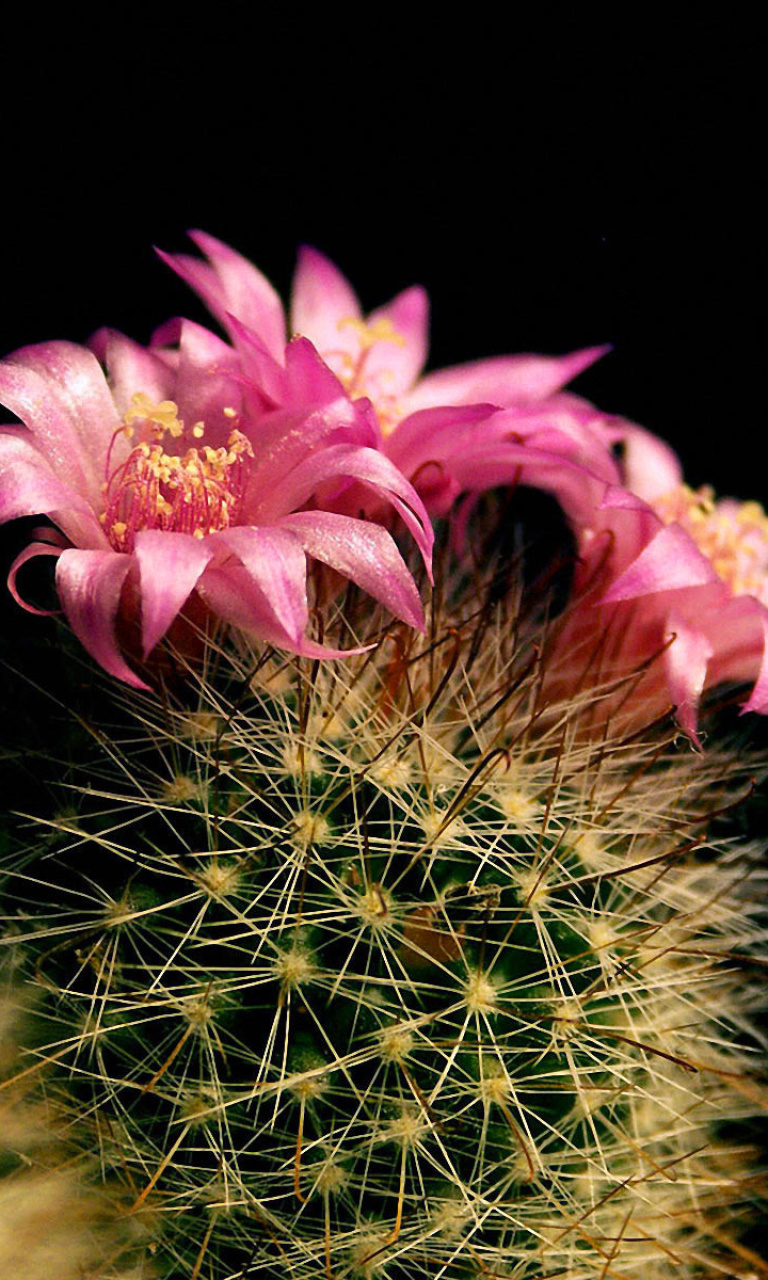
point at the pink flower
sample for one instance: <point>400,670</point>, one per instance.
<point>379,356</point>
<point>436,428</point>
<point>171,478</point>
<point>459,431</point>
<point>671,585</point>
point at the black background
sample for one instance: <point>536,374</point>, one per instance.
<point>554,186</point>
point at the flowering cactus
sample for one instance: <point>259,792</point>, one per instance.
<point>362,951</point>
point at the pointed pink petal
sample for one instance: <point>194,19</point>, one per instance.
<point>686,661</point>
<point>258,365</point>
<point>248,293</point>
<point>235,598</point>
<point>363,552</point>
<point>205,349</point>
<point>367,466</point>
<point>649,467</point>
<point>576,489</point>
<point>735,626</point>
<point>59,391</point>
<point>232,285</point>
<point>276,566</point>
<point>89,585</point>
<point>28,485</point>
<point>31,553</point>
<point>758,699</point>
<point>310,381</point>
<point>284,439</point>
<point>166,334</point>
<point>207,382</point>
<point>408,314</point>
<point>617,498</point>
<point>130,369</point>
<point>437,435</point>
<point>502,380</point>
<point>321,297</point>
<point>453,436</point>
<point>170,565</point>
<point>671,562</point>
<point>567,425</point>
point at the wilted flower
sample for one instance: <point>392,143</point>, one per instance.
<point>171,478</point>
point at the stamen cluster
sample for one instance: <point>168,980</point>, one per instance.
<point>197,492</point>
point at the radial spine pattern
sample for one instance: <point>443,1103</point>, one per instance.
<point>382,968</point>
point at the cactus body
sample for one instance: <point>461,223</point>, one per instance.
<point>382,968</point>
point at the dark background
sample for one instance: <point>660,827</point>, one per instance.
<point>558,185</point>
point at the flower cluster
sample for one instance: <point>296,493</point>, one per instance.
<point>199,472</point>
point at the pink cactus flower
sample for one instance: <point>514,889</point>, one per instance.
<point>671,585</point>
<point>170,478</point>
<point>433,427</point>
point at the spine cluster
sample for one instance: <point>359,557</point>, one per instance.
<point>382,968</point>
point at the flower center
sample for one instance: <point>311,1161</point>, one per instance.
<point>352,368</point>
<point>199,491</point>
<point>732,535</point>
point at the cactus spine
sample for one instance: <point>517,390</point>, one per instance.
<point>382,968</point>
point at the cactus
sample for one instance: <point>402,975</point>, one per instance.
<point>382,967</point>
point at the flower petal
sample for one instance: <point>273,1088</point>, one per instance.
<point>686,661</point>
<point>31,552</point>
<point>363,552</point>
<point>502,380</point>
<point>231,285</point>
<point>207,382</point>
<point>670,562</point>
<point>59,392</point>
<point>437,435</point>
<point>320,299</point>
<point>285,439</point>
<point>369,467</point>
<point>28,485</point>
<point>758,699</point>
<point>577,489</point>
<point>310,381</point>
<point>650,468</point>
<point>258,365</point>
<point>170,565</point>
<point>276,566</point>
<point>131,368</point>
<point>235,598</point>
<point>396,364</point>
<point>89,585</point>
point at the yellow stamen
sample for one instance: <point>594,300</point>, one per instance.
<point>382,330</point>
<point>164,415</point>
<point>196,492</point>
<point>358,380</point>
